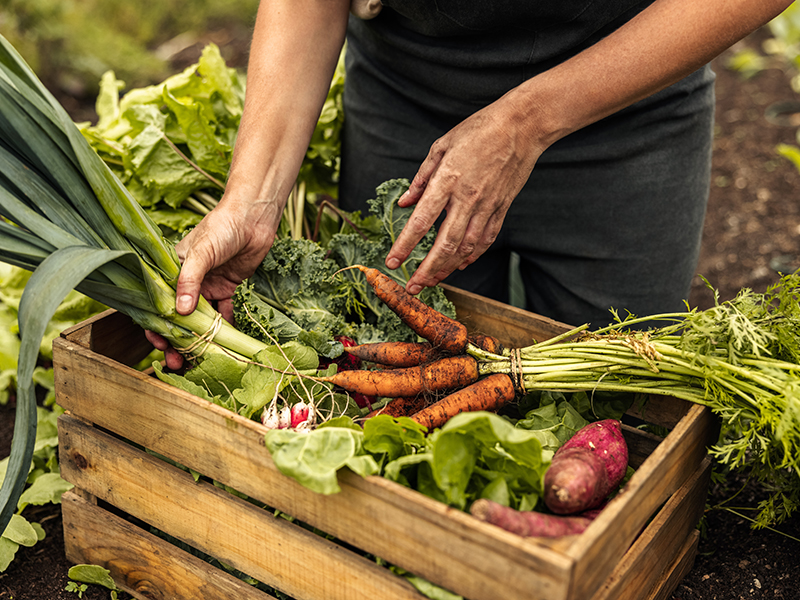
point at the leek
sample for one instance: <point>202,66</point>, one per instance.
<point>65,216</point>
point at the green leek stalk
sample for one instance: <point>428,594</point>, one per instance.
<point>65,216</point>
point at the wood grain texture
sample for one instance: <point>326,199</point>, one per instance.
<point>670,466</point>
<point>514,327</point>
<point>675,573</point>
<point>413,531</point>
<point>142,564</point>
<point>661,542</point>
<point>439,543</point>
<point>247,537</point>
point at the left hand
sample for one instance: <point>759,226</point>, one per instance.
<point>473,173</point>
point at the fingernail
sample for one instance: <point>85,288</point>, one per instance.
<point>184,303</point>
<point>414,289</point>
<point>392,263</point>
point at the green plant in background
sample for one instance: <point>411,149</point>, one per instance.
<point>71,43</point>
<point>44,484</point>
<point>782,50</point>
<point>171,144</point>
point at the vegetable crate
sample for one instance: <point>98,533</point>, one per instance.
<point>121,424</point>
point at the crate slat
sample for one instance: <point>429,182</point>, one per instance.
<point>377,516</point>
<point>665,536</point>
<point>230,449</point>
<point>245,536</point>
<point>140,563</point>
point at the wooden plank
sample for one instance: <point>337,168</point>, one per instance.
<point>247,537</point>
<point>413,531</point>
<point>663,538</point>
<point>514,327</point>
<point>672,463</point>
<point>116,337</point>
<point>679,569</point>
<point>142,564</point>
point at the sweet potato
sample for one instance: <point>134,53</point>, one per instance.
<point>586,468</point>
<point>528,523</point>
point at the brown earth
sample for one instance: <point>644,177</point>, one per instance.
<point>752,229</point>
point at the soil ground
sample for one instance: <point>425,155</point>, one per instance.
<point>752,229</point>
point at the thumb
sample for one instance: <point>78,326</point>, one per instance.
<point>187,291</point>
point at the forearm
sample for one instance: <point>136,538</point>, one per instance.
<point>294,52</point>
<point>667,41</point>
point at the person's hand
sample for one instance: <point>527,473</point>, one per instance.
<point>473,173</point>
<point>224,249</point>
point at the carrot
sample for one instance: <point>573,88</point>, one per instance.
<point>490,393</point>
<point>527,523</point>
<point>440,330</point>
<point>586,468</point>
<point>486,342</point>
<point>401,407</point>
<point>443,374</point>
<point>395,354</point>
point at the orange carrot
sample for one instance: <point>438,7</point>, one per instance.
<point>440,330</point>
<point>443,374</point>
<point>528,523</point>
<point>486,342</point>
<point>401,407</point>
<point>490,393</point>
<point>395,354</point>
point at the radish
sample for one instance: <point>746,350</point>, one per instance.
<point>304,416</point>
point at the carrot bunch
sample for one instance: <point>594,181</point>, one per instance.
<point>429,381</point>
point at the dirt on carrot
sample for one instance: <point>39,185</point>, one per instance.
<point>396,354</point>
<point>440,330</point>
<point>444,374</point>
<point>486,342</point>
<point>490,393</point>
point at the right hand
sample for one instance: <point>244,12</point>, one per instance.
<point>223,250</point>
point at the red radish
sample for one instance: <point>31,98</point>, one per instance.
<point>586,468</point>
<point>304,417</point>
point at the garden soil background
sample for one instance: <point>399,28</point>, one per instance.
<point>752,231</point>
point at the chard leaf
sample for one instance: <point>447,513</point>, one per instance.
<point>392,438</point>
<point>207,150</point>
<point>217,373</point>
<point>8,550</point>
<point>555,422</point>
<point>261,384</point>
<point>181,383</point>
<point>107,103</point>
<point>93,574</point>
<point>165,174</point>
<point>314,458</point>
<point>47,488</point>
<point>20,531</point>
<point>176,219</point>
<point>469,440</point>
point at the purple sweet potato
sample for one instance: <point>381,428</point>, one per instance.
<point>586,468</point>
<point>528,523</point>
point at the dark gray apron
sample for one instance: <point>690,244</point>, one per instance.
<point>611,216</point>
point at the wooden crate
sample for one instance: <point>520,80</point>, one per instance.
<point>639,548</point>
